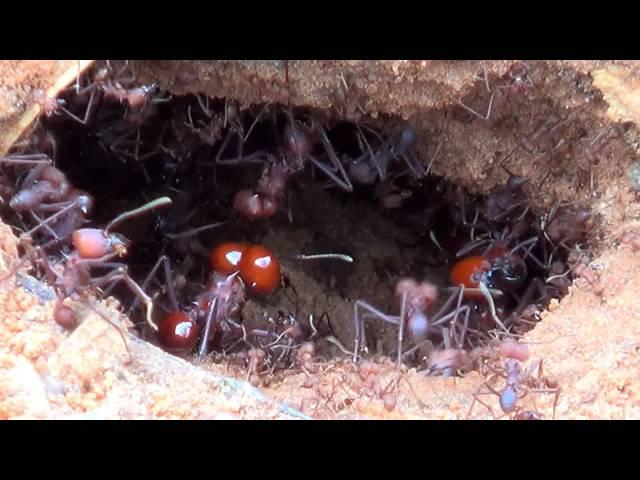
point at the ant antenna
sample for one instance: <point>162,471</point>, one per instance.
<point>159,202</point>
<point>492,307</point>
<point>325,256</point>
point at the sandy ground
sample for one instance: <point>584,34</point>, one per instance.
<point>588,341</point>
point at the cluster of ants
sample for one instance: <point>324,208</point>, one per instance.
<point>505,266</point>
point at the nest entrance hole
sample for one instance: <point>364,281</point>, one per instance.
<point>395,227</point>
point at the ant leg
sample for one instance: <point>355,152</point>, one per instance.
<point>32,176</point>
<point>246,137</point>
<point>477,399</point>
<point>484,78</point>
<point>380,161</point>
<point>467,314</point>
<point>458,292</point>
<point>446,338</point>
<point>213,309</point>
<point>255,157</point>
<point>49,230</point>
<point>379,165</point>
<point>193,231</point>
<point>204,105</point>
<point>27,159</point>
<point>53,217</point>
<point>347,186</point>
<point>453,316</point>
<point>403,149</point>
<point>434,155</point>
<point>50,274</point>
<point>527,254</point>
<point>415,167</point>
<point>87,112</point>
<point>471,110</point>
<point>492,307</point>
<point>226,140</point>
<point>90,262</point>
<point>374,133</point>
<point>114,325</point>
<point>471,246</point>
<point>163,260</point>
<point>403,304</point>
<point>554,391</point>
<point>535,285</point>
<point>359,323</point>
<point>122,275</point>
<point>345,183</point>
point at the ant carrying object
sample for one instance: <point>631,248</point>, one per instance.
<point>95,248</point>
<point>236,268</point>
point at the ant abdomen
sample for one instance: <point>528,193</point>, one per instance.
<point>508,399</point>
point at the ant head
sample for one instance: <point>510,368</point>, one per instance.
<point>95,243</point>
<point>101,75</point>
<point>119,244</point>
<point>420,296</point>
<point>508,272</point>
<point>85,202</point>
<point>252,205</point>
<point>509,348</point>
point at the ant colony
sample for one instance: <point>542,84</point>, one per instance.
<point>267,234</point>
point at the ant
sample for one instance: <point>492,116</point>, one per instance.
<point>415,300</point>
<point>518,384</point>
<point>374,164</point>
<point>95,248</point>
<point>115,87</point>
<point>264,201</point>
<point>47,189</point>
<point>565,226</point>
<point>498,272</point>
<point>447,362</point>
<point>298,145</point>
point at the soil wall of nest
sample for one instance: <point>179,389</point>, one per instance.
<point>562,135</point>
